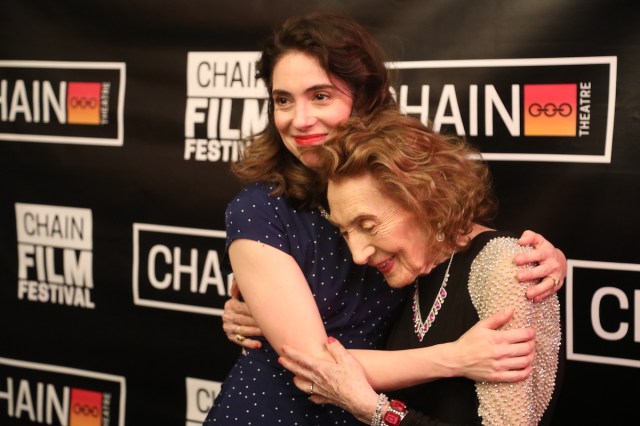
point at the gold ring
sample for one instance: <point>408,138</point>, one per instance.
<point>239,337</point>
<point>556,282</point>
<point>238,329</point>
<point>311,389</point>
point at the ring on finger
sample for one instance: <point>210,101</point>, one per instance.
<point>237,330</point>
<point>311,389</point>
<point>239,337</point>
<point>556,282</point>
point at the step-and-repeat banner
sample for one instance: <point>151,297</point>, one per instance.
<point>118,123</point>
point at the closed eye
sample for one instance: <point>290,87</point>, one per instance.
<point>367,226</point>
<point>364,227</point>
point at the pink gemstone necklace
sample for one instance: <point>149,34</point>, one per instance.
<point>420,327</point>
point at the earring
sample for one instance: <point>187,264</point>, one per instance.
<point>439,237</point>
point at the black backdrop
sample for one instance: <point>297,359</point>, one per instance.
<point>114,205</point>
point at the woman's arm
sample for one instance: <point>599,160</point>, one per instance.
<point>522,402</point>
<point>550,266</point>
<point>343,382</point>
<point>278,296</point>
<point>484,352</point>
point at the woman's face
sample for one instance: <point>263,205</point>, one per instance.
<point>307,103</point>
<point>379,231</point>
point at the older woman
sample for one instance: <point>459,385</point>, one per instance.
<point>415,205</point>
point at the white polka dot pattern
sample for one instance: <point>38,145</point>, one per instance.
<point>354,302</point>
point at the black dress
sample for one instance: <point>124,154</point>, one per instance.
<point>481,279</point>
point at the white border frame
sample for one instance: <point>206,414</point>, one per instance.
<point>612,61</point>
<point>571,354</point>
<point>74,140</point>
<point>137,300</point>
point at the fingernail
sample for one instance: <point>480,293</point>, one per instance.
<point>330,339</point>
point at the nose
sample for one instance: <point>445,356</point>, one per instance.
<point>361,249</point>
<point>303,117</point>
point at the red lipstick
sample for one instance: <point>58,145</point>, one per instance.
<point>309,140</point>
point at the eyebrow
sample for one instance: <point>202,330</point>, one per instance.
<point>309,89</point>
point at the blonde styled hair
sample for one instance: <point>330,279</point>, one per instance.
<point>442,179</point>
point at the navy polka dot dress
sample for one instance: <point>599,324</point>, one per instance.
<point>355,304</point>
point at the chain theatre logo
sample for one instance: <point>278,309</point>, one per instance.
<point>62,102</point>
<point>550,110</point>
<point>179,269</point>
<point>84,101</point>
<point>55,255</point>
<point>43,394</point>
<point>539,109</point>
<point>603,312</point>
<point>225,103</point>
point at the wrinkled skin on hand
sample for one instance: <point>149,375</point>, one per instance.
<point>237,321</point>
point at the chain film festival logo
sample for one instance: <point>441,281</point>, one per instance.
<point>603,312</point>
<point>179,268</point>
<point>540,109</point>
<point>62,102</point>
<point>55,255</point>
<point>200,396</point>
<point>225,103</point>
<point>43,394</point>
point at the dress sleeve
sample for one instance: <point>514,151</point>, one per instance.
<point>494,287</point>
<point>255,214</point>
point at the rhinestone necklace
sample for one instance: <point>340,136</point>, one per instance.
<point>420,327</point>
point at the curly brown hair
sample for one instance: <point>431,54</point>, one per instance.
<point>441,178</point>
<point>347,52</point>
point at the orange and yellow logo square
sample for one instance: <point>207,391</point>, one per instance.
<point>83,103</point>
<point>550,109</point>
<point>86,408</point>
